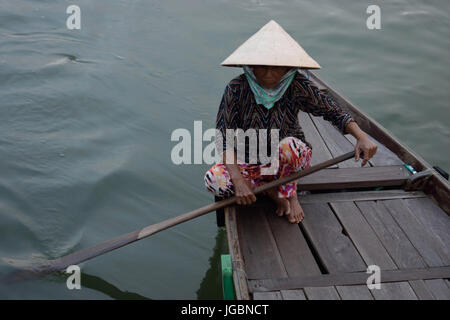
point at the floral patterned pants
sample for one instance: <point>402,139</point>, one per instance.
<point>294,155</point>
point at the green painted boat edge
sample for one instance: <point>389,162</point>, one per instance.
<point>227,277</point>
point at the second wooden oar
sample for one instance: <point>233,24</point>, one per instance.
<point>49,266</point>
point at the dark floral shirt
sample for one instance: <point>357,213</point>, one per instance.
<point>238,109</point>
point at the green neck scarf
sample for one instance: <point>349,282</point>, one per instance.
<point>268,97</point>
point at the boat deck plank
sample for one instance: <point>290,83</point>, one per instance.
<point>359,196</point>
<point>348,279</point>
<point>335,141</point>
<point>358,292</point>
<point>362,235</point>
<point>334,248</point>
<point>296,255</point>
<point>360,177</point>
<point>438,288</point>
<point>321,293</point>
<point>394,291</point>
<point>429,245</point>
<point>293,294</point>
<point>260,251</point>
<point>397,244</point>
<point>433,217</point>
<point>312,135</point>
<point>367,241</point>
<point>270,295</point>
<point>421,290</point>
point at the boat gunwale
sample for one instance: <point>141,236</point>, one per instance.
<point>237,260</point>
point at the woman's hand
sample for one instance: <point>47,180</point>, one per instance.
<point>243,190</point>
<point>366,146</point>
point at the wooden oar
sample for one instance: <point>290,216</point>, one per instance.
<point>77,257</point>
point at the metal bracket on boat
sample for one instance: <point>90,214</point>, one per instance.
<point>417,181</point>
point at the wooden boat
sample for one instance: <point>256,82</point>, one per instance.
<point>381,215</point>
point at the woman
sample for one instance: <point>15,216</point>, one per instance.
<point>269,95</point>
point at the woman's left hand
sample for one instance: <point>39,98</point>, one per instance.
<point>366,146</point>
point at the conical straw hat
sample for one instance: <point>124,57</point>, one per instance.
<point>271,46</point>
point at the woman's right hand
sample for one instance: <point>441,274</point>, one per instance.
<point>243,190</point>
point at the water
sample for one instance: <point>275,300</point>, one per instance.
<point>87,117</point>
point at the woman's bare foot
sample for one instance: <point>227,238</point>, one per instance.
<point>296,215</point>
<point>283,206</point>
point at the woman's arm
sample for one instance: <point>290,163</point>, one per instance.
<point>363,143</point>
<point>227,118</point>
<point>312,100</point>
<point>355,130</point>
